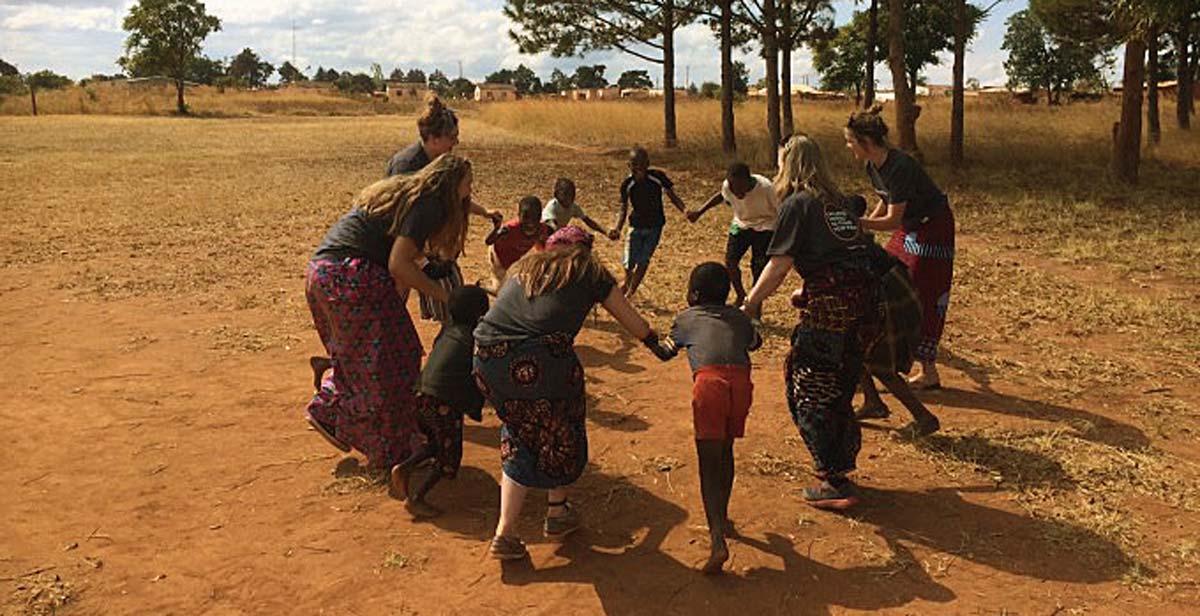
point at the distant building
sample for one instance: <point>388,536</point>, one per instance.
<point>495,92</point>
<point>594,94</point>
<point>157,81</point>
<point>406,90</point>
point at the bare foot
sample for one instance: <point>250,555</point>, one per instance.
<point>716,560</point>
<point>420,509</point>
<point>398,486</point>
<point>874,410</point>
<point>925,377</point>
<point>922,427</point>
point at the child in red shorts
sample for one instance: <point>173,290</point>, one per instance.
<point>718,338</point>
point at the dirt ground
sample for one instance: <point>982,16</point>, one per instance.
<point>153,458</point>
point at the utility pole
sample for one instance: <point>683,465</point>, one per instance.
<point>460,73</point>
<point>687,81</point>
<point>293,41</point>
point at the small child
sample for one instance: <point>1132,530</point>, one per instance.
<point>446,392</point>
<point>511,240</point>
<point>643,190</point>
<point>718,338</point>
<point>560,210</point>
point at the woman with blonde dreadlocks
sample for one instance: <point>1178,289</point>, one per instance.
<point>818,235</point>
<point>356,284</point>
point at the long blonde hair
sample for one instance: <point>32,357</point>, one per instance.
<point>547,271</point>
<point>393,197</point>
<point>802,166</point>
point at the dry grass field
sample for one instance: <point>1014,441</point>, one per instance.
<point>154,459</point>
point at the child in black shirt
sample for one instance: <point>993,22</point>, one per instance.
<point>447,391</point>
<point>643,190</point>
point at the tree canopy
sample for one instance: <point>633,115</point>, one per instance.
<point>635,79</point>
<point>165,37</point>
<point>1039,61</point>
<point>250,70</point>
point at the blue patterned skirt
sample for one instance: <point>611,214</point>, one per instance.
<point>536,387</point>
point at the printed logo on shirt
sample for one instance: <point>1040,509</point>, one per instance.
<point>842,223</point>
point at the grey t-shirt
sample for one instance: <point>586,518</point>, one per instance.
<point>409,160</point>
<point>359,235</point>
<point>514,316</point>
<point>715,335</point>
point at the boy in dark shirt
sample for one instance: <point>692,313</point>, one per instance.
<point>718,338</point>
<point>643,190</point>
<point>446,392</point>
<point>511,240</point>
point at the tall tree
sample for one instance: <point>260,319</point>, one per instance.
<point>840,60</point>
<point>1112,22</point>
<point>635,79</point>
<point>589,76</point>
<point>439,83</point>
<point>206,70</point>
<point>966,19</point>
<point>644,29</point>
<point>290,74</point>
<point>1040,61</point>
<point>165,37</point>
<point>415,75</point>
<point>558,82</point>
<point>725,34</point>
<point>906,106</point>
<point>872,43</point>
<point>1154,127</point>
<point>525,80</point>
<point>1184,39</point>
<point>250,70</point>
<point>762,18</point>
<point>8,70</point>
<point>799,21</point>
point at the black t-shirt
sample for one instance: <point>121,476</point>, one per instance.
<point>409,160</point>
<point>516,317</point>
<point>646,198</point>
<point>358,235</point>
<point>816,234</point>
<point>901,179</point>
<point>447,372</point>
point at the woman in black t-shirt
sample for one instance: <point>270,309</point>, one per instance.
<point>818,236</point>
<point>919,214</point>
<point>356,284</point>
<point>438,130</point>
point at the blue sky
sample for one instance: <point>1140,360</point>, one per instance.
<point>79,37</point>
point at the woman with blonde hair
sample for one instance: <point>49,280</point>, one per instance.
<point>526,366</point>
<point>818,235</point>
<point>356,285</point>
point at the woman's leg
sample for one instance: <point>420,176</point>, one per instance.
<point>924,421</point>
<point>512,500</point>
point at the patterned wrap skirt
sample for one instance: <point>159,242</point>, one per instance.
<point>900,307</point>
<point>442,427</point>
<point>838,323</point>
<point>929,254</point>
<point>368,396</point>
<point>536,386</point>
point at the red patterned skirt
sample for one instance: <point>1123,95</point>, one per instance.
<point>929,254</point>
<point>368,396</point>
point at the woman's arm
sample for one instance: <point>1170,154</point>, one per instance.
<point>887,222</point>
<point>619,307</point>
<point>768,282</point>
<point>879,209</point>
<point>479,210</point>
<point>402,263</point>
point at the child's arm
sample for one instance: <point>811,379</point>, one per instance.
<point>587,220</point>
<point>497,231</point>
<point>663,348</point>
<point>676,200</point>
<point>712,202</point>
<point>757,342</point>
<point>616,230</point>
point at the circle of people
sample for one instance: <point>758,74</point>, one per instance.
<point>864,312</point>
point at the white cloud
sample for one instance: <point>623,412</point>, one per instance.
<point>44,17</point>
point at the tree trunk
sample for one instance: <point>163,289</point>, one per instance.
<point>872,42</point>
<point>179,104</point>
<point>1183,102</point>
<point>33,98</point>
<point>957,109</point>
<point>906,116</point>
<point>728,136</point>
<point>1127,142</point>
<point>771,57</point>
<point>670,139</point>
<point>785,90</point>
<point>1152,123</point>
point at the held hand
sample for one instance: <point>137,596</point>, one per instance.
<point>754,311</point>
<point>614,235</point>
<point>497,217</point>
<point>693,215</point>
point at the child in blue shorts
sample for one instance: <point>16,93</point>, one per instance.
<point>643,191</point>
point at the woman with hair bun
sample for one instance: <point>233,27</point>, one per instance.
<point>919,215</point>
<point>438,129</point>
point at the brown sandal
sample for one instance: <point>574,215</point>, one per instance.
<point>507,548</point>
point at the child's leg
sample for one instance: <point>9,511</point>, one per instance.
<point>924,421</point>
<point>711,454</point>
<point>398,485</point>
<point>873,406</point>
<point>635,278</point>
<point>417,505</point>
<point>736,245</point>
<point>727,484</point>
